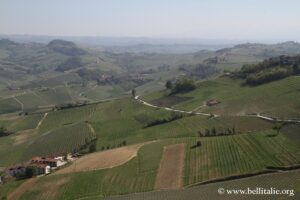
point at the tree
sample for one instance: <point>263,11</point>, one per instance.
<point>214,131</point>
<point>133,93</point>
<point>3,131</point>
<point>93,147</point>
<point>207,132</point>
<point>199,133</point>
<point>277,127</point>
<point>169,85</point>
<point>198,143</point>
<point>296,68</point>
<point>183,85</point>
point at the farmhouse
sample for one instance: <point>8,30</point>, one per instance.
<point>212,102</point>
<point>51,161</point>
<point>18,170</point>
<point>43,160</point>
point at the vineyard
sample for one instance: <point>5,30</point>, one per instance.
<point>287,180</point>
<point>63,140</point>
<point>134,176</point>
<point>239,154</point>
<point>68,116</point>
<point>279,98</point>
<point>9,105</point>
<point>217,157</point>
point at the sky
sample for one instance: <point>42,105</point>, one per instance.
<point>205,19</point>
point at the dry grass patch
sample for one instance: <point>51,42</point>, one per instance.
<point>171,167</point>
<point>102,160</point>
<point>23,136</point>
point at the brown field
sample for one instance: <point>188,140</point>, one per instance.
<point>170,171</point>
<point>102,160</point>
<point>23,136</point>
<point>17,193</point>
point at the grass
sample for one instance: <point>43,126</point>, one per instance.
<point>5,189</point>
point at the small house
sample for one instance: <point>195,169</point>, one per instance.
<point>212,102</point>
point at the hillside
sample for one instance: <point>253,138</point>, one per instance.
<point>234,143</point>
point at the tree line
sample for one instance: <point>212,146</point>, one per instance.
<point>269,70</point>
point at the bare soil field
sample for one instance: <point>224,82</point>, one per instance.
<point>171,167</point>
<point>101,160</point>
<point>17,193</point>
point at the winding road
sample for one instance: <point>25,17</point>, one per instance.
<point>214,115</point>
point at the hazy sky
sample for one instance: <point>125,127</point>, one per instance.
<point>207,19</point>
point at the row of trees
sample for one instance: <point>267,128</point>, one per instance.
<point>174,116</point>
<point>268,76</point>
<point>269,70</point>
<point>214,132</point>
<point>123,143</point>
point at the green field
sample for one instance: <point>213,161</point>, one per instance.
<point>287,181</point>
<point>60,141</point>
<point>277,99</point>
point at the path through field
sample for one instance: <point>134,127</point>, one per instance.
<point>170,109</point>
<point>22,105</point>
<point>41,121</point>
<point>171,167</point>
<point>101,160</point>
<point>17,193</point>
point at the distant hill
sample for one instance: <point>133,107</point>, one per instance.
<point>65,47</point>
<point>6,42</point>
